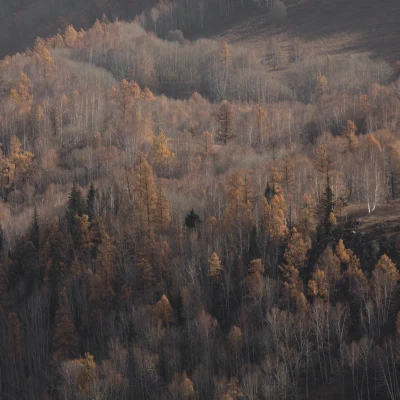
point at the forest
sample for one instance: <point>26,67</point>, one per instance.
<point>184,219</point>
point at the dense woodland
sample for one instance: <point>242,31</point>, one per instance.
<point>173,216</point>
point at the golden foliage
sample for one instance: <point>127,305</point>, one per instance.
<point>296,251</point>
<point>70,36</point>
<point>214,266</point>
<point>235,338</point>
<point>342,252</point>
<point>163,310</point>
<point>161,154</point>
<point>43,58</point>
<point>321,84</point>
<point>318,285</point>
<point>21,94</point>
<point>182,387</point>
<point>225,55</point>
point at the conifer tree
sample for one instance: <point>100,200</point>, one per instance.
<point>75,206</point>
<point>2,243</point>
<point>145,197</point>
<point>349,134</point>
<point>53,256</point>
<point>323,165</point>
<point>394,171</point>
<point>306,223</point>
<point>34,230</point>
<point>14,336</point>
<point>274,216</point>
<point>225,120</point>
<point>318,285</point>
<point>296,251</point>
<point>21,94</point>
<point>262,131</point>
<point>4,286</point>
<point>147,276</point>
<point>192,219</point>
<point>287,181</point>
<point>161,155</point>
<point>163,310</point>
<point>321,84</point>
<point>87,368</point>
<point>182,387</point>
<point>214,267</point>
<point>270,191</point>
<point>43,57</point>
<point>224,55</point>
<point>128,91</point>
<point>20,162</point>
<point>162,215</point>
<point>70,36</point>
<point>91,203</point>
<point>65,339</point>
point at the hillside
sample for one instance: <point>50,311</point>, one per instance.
<point>214,218</point>
<point>22,21</point>
<point>323,27</point>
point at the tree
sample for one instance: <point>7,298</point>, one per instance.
<point>20,159</point>
<point>21,94</point>
<point>65,338</point>
<point>321,84</point>
<point>238,217</point>
<point>144,197</point>
<point>323,165</point>
<point>128,91</point>
<point>163,310</point>
<point>288,184</point>
<point>318,285</point>
<point>225,120</point>
<point>372,172</point>
<point>182,387</point>
<point>163,216</point>
<point>349,134</point>
<point>342,253</point>
<point>306,223</point>
<point>255,281</point>
<point>14,336</point>
<point>70,36</point>
<point>224,55</point>
<point>91,203</point>
<point>394,170</point>
<point>34,230</point>
<point>385,277</point>
<point>87,372</point>
<point>192,219</point>
<point>161,155</point>
<point>214,267</point>
<point>148,279</point>
<point>43,58</point>
<point>262,130</point>
<point>75,207</point>
<point>296,251</point>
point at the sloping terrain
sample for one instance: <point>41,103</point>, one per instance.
<point>22,21</point>
<point>324,27</point>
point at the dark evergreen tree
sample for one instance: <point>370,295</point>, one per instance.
<point>270,192</point>
<point>2,243</point>
<point>34,230</point>
<point>192,219</point>
<point>327,206</point>
<point>76,206</point>
<point>91,203</point>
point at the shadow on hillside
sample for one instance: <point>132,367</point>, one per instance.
<point>374,22</point>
